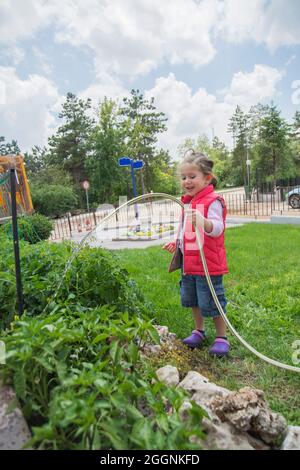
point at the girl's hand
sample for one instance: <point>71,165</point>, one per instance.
<point>195,217</point>
<point>170,247</point>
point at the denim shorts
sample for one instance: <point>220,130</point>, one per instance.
<point>194,292</point>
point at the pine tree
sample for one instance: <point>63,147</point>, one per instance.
<point>9,148</point>
<point>69,146</point>
<point>274,158</point>
<point>142,124</point>
<point>107,179</point>
<point>240,129</point>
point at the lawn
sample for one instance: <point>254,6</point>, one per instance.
<point>263,291</point>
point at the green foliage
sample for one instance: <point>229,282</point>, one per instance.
<point>69,146</point>
<point>107,179</point>
<point>142,124</point>
<point>164,174</point>
<point>9,148</point>
<point>93,278</point>
<point>273,153</point>
<point>217,151</point>
<point>32,228</point>
<point>53,200</point>
<point>263,292</point>
<point>76,367</point>
<point>78,375</point>
<point>36,161</point>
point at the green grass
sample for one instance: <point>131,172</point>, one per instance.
<point>263,291</point>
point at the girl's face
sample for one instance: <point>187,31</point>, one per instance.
<point>192,179</point>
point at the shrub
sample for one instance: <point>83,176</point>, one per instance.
<point>32,228</point>
<point>53,200</point>
<point>93,278</point>
<point>76,367</point>
<point>79,378</point>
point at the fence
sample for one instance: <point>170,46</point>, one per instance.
<point>161,211</point>
<point>261,202</point>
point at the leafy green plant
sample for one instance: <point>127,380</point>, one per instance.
<point>76,366</point>
<point>32,228</point>
<point>78,375</point>
<point>53,200</point>
<point>94,278</point>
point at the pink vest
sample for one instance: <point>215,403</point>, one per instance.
<point>214,247</point>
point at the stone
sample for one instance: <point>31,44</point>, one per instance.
<point>162,330</point>
<point>247,410</point>
<point>292,439</point>
<point>195,382</point>
<point>168,374</point>
<point>183,410</point>
<point>224,437</point>
<point>14,432</point>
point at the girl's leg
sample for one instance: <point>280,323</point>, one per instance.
<point>221,345</point>
<point>199,320</point>
<point>198,336</point>
<point>220,326</point>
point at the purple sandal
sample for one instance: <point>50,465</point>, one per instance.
<point>220,347</point>
<point>195,339</point>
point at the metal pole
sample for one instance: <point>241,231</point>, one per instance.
<point>87,199</point>
<point>13,177</point>
<point>248,176</point>
<point>132,178</point>
<point>134,189</point>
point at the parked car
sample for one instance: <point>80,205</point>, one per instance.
<point>293,198</point>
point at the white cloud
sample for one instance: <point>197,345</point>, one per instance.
<point>21,19</point>
<point>104,86</point>
<point>247,89</point>
<point>131,38</point>
<point>127,37</point>
<point>274,23</point>
<point>42,61</point>
<point>191,114</point>
<point>26,113</point>
<point>15,54</point>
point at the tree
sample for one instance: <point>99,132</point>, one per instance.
<point>164,174</point>
<point>52,191</point>
<point>200,144</point>
<point>106,144</point>
<point>36,160</point>
<point>142,124</point>
<point>295,140</point>
<point>9,148</point>
<point>273,152</point>
<point>217,151</point>
<point>240,128</point>
<point>220,154</point>
<point>69,146</point>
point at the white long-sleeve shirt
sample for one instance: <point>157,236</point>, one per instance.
<point>215,215</point>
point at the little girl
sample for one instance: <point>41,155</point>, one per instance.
<point>207,210</point>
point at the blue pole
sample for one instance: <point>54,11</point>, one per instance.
<point>133,180</point>
<point>134,189</point>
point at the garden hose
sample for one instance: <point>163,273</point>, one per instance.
<point>211,287</point>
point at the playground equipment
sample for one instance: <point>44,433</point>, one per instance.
<point>23,197</point>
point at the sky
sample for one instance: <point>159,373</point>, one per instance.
<point>199,59</point>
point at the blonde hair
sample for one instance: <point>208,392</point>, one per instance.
<point>204,164</point>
